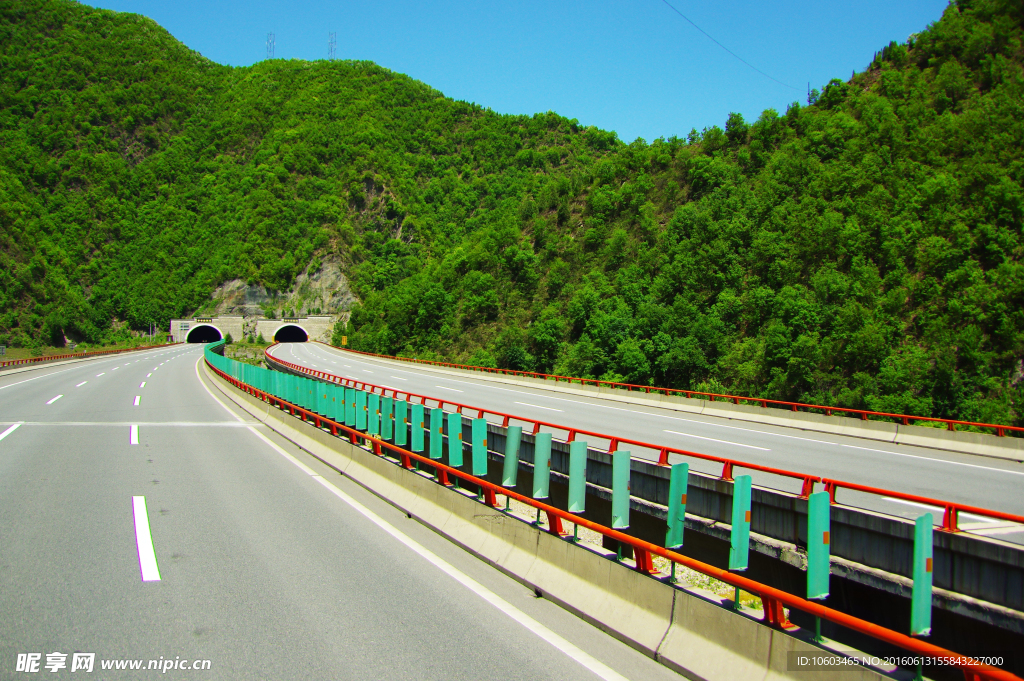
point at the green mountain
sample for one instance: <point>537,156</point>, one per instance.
<point>863,250</point>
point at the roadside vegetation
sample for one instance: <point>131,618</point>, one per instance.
<point>862,248</point>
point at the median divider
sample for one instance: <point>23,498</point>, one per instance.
<point>695,635</point>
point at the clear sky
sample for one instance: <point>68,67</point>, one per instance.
<point>633,66</point>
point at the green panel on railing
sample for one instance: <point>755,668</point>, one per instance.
<point>338,403</point>
<point>676,516</point>
<point>436,433</point>
<point>510,468</point>
<point>480,447</point>
<point>819,508</point>
<point>620,490</point>
<point>577,476</point>
<point>417,427</point>
<point>350,407</point>
<point>739,549</point>
<point>360,410</point>
<point>541,465</point>
<point>401,422</point>
<point>455,440</point>
<point>921,596</point>
<point>387,419</point>
<point>373,414</point>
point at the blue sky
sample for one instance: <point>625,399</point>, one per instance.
<point>635,67</point>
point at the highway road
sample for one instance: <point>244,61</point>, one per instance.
<point>144,517</point>
<point>967,479</point>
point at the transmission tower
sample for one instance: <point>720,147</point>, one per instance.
<point>270,46</point>
<point>332,45</point>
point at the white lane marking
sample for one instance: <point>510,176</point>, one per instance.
<point>347,366</point>
<point>745,430</point>
<point>399,379</point>
<point>137,398</point>
<point>938,509</point>
<point>121,424</point>
<point>989,531</point>
<point>115,368</point>
<point>133,434</point>
<point>712,439</point>
<point>55,399</point>
<point>142,385</point>
<point>100,374</point>
<point>144,541</point>
<point>537,406</point>
<point>583,658</point>
<point>148,375</point>
<point>514,613</point>
<point>81,384</point>
<point>9,431</point>
<point>442,387</point>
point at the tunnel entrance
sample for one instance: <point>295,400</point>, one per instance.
<point>203,334</point>
<point>291,334</point>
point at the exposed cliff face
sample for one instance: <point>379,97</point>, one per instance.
<point>324,291</point>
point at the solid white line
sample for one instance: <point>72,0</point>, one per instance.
<point>142,385</point>
<point>701,437</point>
<point>938,509</point>
<point>442,387</point>
<point>81,384</point>
<point>137,398</point>
<point>133,435</point>
<point>9,431</point>
<point>144,541</point>
<point>640,410</point>
<point>120,424</point>
<point>583,658</point>
<point>55,399</point>
<point>536,406</point>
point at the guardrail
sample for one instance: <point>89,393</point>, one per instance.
<point>96,353</point>
<point>773,600</point>
<point>951,509</point>
<point>863,414</point>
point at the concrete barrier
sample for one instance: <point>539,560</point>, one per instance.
<point>694,635</point>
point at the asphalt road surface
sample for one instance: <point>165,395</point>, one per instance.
<point>141,518</point>
<point>967,479</point>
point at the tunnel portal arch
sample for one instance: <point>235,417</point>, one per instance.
<point>291,333</point>
<point>203,333</point>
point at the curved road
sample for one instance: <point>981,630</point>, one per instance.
<point>974,480</point>
<point>142,518</point>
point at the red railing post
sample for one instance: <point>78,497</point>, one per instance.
<point>951,519</point>
<point>727,471</point>
<point>554,524</point>
<point>774,614</point>
<point>644,561</point>
<point>663,457</point>
<point>808,487</point>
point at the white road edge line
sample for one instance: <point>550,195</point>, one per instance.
<point>712,439</point>
<point>144,541</point>
<point>538,629</point>
<point>55,399</point>
<point>483,383</point>
<point>10,430</point>
<point>133,435</point>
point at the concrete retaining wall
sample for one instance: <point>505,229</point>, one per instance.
<point>694,635</point>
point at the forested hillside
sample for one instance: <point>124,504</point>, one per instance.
<point>862,249</point>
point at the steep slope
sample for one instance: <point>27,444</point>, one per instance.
<point>864,249</point>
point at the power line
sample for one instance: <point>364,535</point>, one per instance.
<point>709,37</point>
